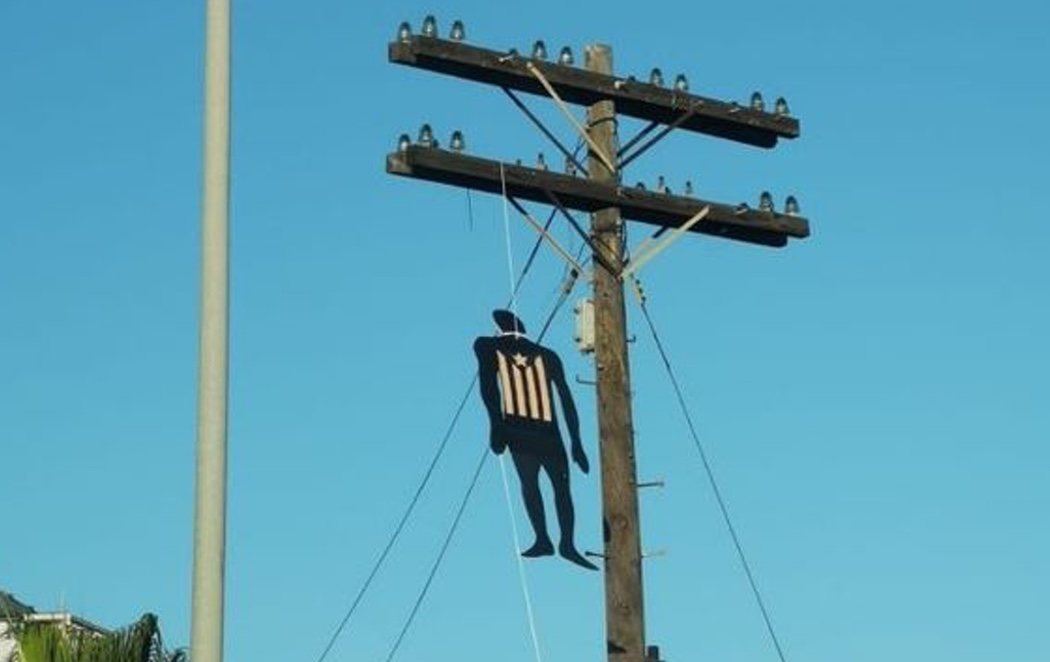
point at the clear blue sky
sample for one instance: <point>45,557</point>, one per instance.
<point>874,398</point>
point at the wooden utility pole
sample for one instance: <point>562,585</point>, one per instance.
<point>602,195</point>
<point>624,613</point>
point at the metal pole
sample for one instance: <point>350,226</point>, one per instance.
<point>209,529</point>
<point>624,613</point>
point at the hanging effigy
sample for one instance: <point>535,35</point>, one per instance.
<point>516,378</point>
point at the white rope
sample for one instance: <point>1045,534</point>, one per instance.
<point>640,258</point>
<point>506,235</point>
<point>521,563</point>
<point>502,462</point>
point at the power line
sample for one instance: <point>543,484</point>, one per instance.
<point>606,96</point>
<point>401,524</point>
<point>714,483</point>
<point>440,556</point>
<point>437,454</point>
<point>463,504</point>
<point>565,290</point>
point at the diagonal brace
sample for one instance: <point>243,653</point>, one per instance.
<point>637,263</point>
<point>599,257</point>
<point>657,138</point>
<point>602,156</point>
<point>547,132</point>
<point>637,137</point>
<point>573,264</point>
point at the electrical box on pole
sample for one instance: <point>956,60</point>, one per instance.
<point>584,335</point>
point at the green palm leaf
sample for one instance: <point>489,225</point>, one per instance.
<point>55,642</point>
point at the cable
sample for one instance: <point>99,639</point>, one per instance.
<point>714,484</point>
<point>401,524</point>
<point>433,462</point>
<point>448,433</point>
<point>441,555</point>
<point>459,515</point>
<point>521,563</point>
<point>566,289</point>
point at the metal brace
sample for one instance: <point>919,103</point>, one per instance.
<point>606,161</point>
<point>638,262</point>
<point>573,264</point>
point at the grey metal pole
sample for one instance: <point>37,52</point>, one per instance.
<point>209,527</point>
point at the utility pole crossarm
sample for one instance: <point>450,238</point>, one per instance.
<point>633,98</point>
<point>585,195</point>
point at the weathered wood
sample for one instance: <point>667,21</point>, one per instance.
<point>660,209</point>
<point>634,98</point>
<point>624,607</point>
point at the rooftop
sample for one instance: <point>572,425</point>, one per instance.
<point>12,606</point>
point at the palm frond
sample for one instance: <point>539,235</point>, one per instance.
<point>54,642</point>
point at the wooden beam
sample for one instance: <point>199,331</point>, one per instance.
<point>634,98</point>
<point>660,209</point>
<point>621,526</point>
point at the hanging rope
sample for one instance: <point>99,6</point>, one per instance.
<point>506,241</point>
<point>502,461</point>
<point>711,478</point>
<point>521,564</point>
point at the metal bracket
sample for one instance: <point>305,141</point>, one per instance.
<point>547,132</point>
<point>655,139</point>
<point>652,654</point>
<point>599,256</point>
<point>637,137</point>
<point>602,156</point>
<point>546,235</point>
<point>652,483</point>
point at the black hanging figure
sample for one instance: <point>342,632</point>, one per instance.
<point>516,376</point>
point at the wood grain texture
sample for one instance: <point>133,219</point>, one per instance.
<point>588,195</point>
<point>624,599</point>
<point>633,98</point>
